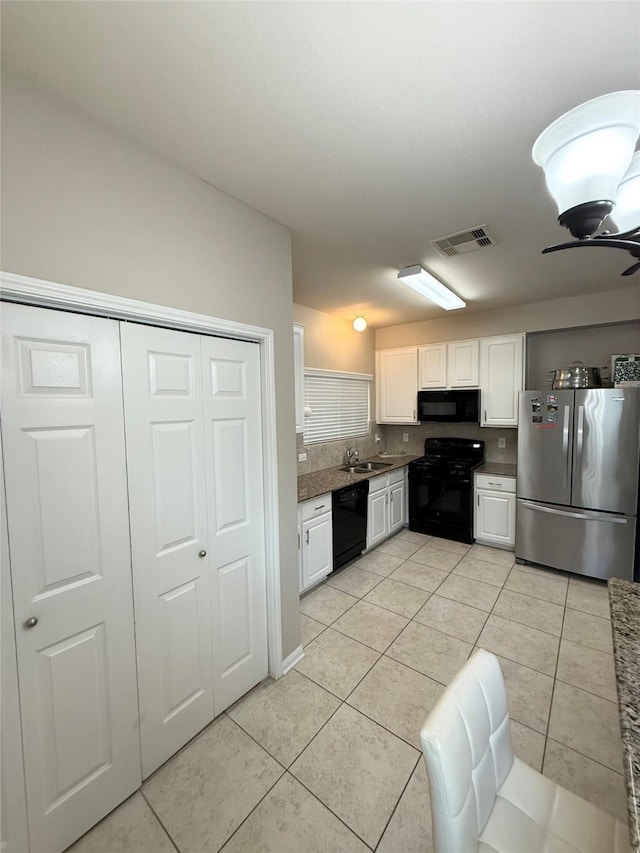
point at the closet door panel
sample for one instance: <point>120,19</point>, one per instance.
<point>171,567</point>
<point>63,438</point>
<point>233,444</point>
<point>13,804</point>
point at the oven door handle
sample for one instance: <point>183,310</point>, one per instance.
<point>438,478</point>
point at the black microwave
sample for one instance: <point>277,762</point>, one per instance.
<point>449,406</point>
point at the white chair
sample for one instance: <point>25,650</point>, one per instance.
<point>483,798</point>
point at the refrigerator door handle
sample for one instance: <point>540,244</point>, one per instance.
<point>583,515</point>
<point>565,445</point>
<point>579,442</point>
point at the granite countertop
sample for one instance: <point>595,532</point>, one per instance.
<point>497,469</point>
<point>624,602</point>
<point>329,479</point>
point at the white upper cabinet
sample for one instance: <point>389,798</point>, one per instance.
<point>501,379</point>
<point>298,366</point>
<point>397,386</point>
<point>495,365</point>
<point>462,364</point>
<point>453,365</point>
<point>433,366</point>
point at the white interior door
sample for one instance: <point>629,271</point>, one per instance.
<point>235,505</point>
<point>13,814</point>
<point>63,439</point>
<point>171,569</point>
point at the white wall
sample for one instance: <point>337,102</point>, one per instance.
<point>611,306</point>
<point>333,344</point>
<point>83,206</point>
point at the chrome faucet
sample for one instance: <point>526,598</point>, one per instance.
<point>352,457</point>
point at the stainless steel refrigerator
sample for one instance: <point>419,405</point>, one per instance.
<point>577,483</point>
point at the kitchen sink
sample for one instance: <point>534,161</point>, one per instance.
<point>365,467</point>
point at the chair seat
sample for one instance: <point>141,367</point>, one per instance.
<point>532,813</point>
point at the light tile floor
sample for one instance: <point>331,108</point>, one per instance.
<point>327,758</point>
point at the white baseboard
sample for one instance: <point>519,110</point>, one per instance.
<point>294,658</point>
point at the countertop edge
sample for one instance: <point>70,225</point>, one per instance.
<point>330,479</point>
<point>624,605</point>
<point>497,469</point>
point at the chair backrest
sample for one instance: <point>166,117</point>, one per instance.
<point>467,748</point>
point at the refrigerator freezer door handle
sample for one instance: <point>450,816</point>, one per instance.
<point>565,445</point>
<point>582,515</point>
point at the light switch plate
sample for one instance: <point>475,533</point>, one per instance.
<point>405,436</point>
<point>502,443</point>
<point>302,457</point>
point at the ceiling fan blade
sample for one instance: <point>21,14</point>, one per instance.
<point>633,268</point>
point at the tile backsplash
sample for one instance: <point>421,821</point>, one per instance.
<point>331,453</point>
<point>417,434</point>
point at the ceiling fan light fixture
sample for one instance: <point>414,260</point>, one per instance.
<point>360,323</point>
<point>626,214</point>
<point>591,172</point>
<point>585,154</point>
<point>427,285</point>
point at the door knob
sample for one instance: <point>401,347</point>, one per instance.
<point>31,622</point>
<point>202,553</point>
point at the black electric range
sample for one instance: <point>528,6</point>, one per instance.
<point>441,488</point>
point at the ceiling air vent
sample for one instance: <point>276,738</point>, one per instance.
<point>463,242</point>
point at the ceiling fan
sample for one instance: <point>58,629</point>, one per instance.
<point>592,172</point>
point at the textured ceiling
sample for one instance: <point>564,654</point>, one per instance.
<point>368,128</point>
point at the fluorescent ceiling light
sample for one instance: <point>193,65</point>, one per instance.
<point>429,286</point>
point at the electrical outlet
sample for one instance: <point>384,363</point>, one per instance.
<point>302,457</point>
<point>502,443</point>
<point>405,436</point>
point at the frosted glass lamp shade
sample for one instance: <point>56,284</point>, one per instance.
<point>626,213</point>
<point>359,324</point>
<point>586,152</point>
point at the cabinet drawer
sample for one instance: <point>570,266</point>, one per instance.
<point>495,484</point>
<point>396,476</point>
<point>377,483</point>
<point>315,507</point>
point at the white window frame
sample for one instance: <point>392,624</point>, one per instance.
<point>332,431</point>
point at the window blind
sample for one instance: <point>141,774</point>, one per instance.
<point>339,407</point>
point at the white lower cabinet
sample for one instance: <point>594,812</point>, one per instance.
<point>315,541</point>
<point>386,511</point>
<point>494,520</point>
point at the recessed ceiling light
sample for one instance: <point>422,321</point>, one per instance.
<point>429,286</point>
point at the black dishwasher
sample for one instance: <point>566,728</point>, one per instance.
<point>349,521</point>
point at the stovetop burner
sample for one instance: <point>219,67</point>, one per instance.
<point>456,454</point>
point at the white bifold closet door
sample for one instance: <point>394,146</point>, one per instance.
<point>13,813</point>
<point>65,473</point>
<point>194,446</point>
